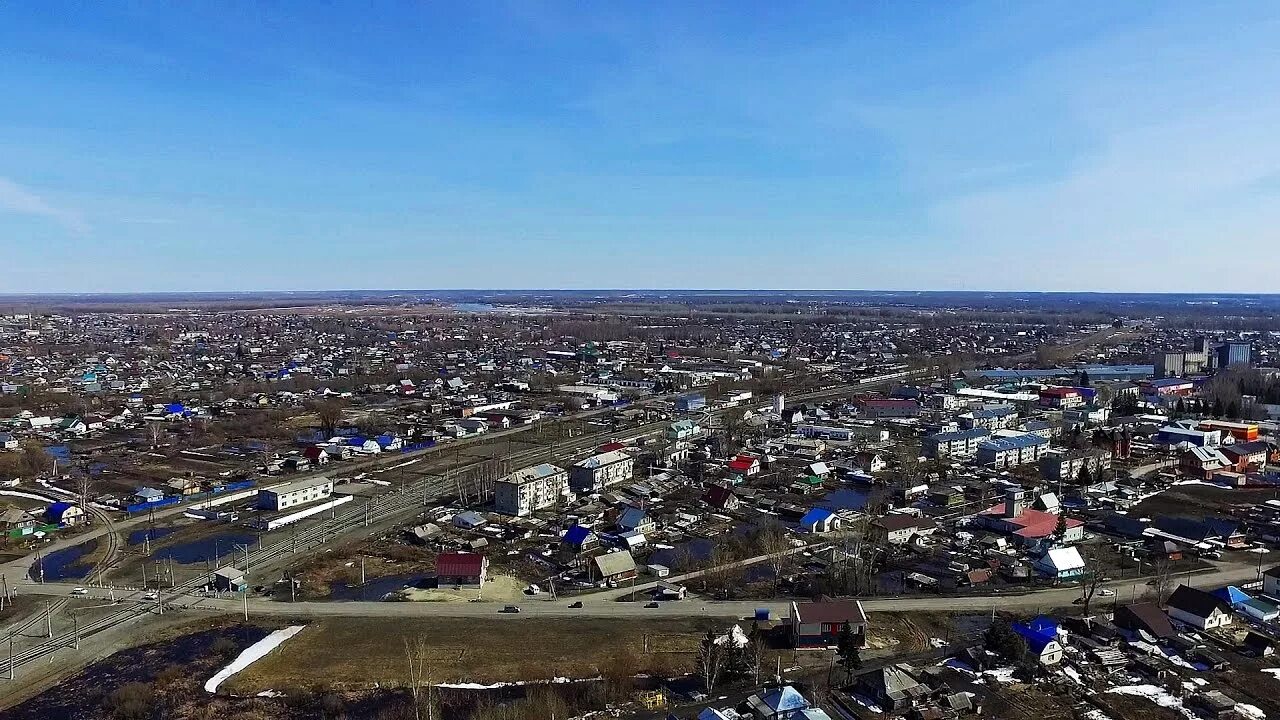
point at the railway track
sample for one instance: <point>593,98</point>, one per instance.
<point>411,496</point>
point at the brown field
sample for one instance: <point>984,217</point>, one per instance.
<point>359,653</point>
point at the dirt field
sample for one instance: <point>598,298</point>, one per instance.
<point>496,587</point>
<point>1195,501</point>
<point>359,653</point>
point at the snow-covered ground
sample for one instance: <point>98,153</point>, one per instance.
<point>1155,694</point>
<point>252,654</point>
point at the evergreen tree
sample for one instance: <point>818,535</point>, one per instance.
<point>1233,409</point>
<point>1002,640</point>
<point>1217,407</point>
<point>1060,530</point>
<point>1180,409</point>
<point>1084,478</point>
<point>1084,378</point>
<point>848,649</point>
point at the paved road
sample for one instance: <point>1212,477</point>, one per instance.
<point>603,605</point>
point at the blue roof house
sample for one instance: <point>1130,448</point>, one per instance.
<point>819,520</point>
<point>64,513</point>
<point>784,703</point>
<point>1041,635</point>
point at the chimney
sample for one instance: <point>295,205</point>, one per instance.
<point>1013,502</point>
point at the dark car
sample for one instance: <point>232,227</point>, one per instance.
<point>653,604</point>
<point>576,605</point>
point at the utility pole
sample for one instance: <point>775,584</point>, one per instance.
<point>48,619</point>
<point>75,630</point>
<point>245,595</point>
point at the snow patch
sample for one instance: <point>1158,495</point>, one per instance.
<point>1250,711</point>
<point>1155,694</point>
<point>252,654</point>
<point>1004,674</point>
<point>1273,672</point>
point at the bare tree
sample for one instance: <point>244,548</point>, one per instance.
<point>776,547</point>
<point>1091,582</point>
<point>420,666</point>
<point>1162,583</point>
<point>711,657</point>
<point>330,414</point>
<point>156,429</point>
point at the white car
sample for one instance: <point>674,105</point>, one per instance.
<point>79,591</point>
<point>150,597</point>
<point>1104,592</point>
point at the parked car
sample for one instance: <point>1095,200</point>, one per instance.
<point>79,591</point>
<point>652,604</point>
<point>576,604</point>
<point>511,609</point>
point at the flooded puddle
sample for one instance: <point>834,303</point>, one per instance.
<point>844,499</point>
<point>64,564</point>
<point>214,547</point>
<point>138,537</point>
<point>377,589</point>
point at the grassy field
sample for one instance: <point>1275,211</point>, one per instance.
<point>1197,500</point>
<point>356,653</point>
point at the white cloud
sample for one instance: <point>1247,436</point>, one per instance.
<point>20,200</point>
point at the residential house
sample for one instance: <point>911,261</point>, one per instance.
<point>613,567</point>
<point>578,540</point>
<point>819,520</point>
<point>782,703</point>
<point>634,519</point>
<point>65,514</point>
<point>8,442</point>
<point>1197,608</point>
<point>17,522</point>
<point>1247,456</point>
<point>819,623</point>
<point>461,569</point>
<point>682,430</point>
<point>1203,462</point>
<point>745,466</point>
<point>1061,563</point>
<point>721,497</point>
<point>1041,635</point>
<point>894,688</point>
<point>899,528</point>
<point>1144,619</point>
<point>869,461</point>
<point>1271,582</point>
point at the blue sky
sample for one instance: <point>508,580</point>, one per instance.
<point>316,145</point>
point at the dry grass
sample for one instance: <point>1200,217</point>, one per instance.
<point>359,653</point>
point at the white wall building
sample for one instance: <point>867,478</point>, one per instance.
<point>533,488</point>
<point>292,494</point>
